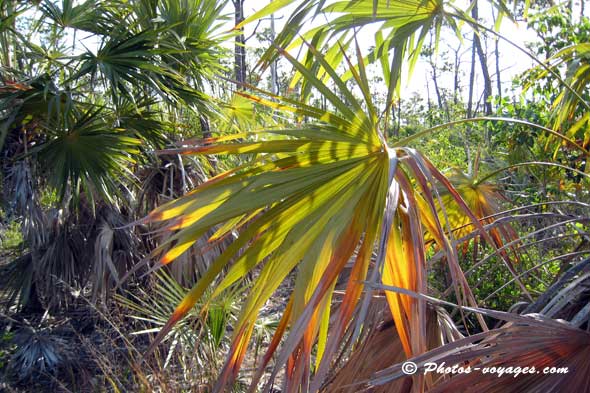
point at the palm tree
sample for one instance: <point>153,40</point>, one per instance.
<point>108,82</point>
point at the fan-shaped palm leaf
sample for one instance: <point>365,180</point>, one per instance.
<point>483,199</point>
<point>87,154</point>
<point>90,16</point>
<point>569,102</point>
<point>329,191</point>
<point>196,25</point>
<point>30,100</point>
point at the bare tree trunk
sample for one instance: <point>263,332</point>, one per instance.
<point>205,127</point>
<point>487,90</point>
<point>456,70</point>
<point>273,66</point>
<point>398,127</point>
<point>481,54</point>
<point>394,123</point>
<point>497,58</point>
<point>471,83</point>
<point>240,48</point>
<point>439,97</point>
<point>206,132</point>
<point>470,111</point>
<point>428,104</point>
<point>498,78</point>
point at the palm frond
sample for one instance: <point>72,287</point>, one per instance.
<point>90,16</point>
<point>526,341</point>
<point>328,192</point>
<point>87,155</point>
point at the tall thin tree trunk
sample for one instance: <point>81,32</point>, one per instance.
<point>487,90</point>
<point>442,106</point>
<point>205,127</point>
<point>456,70</point>
<point>428,105</point>
<point>470,111</point>
<point>206,132</point>
<point>481,54</point>
<point>498,78</point>
<point>240,48</point>
<point>273,66</point>
<point>439,96</point>
<point>497,59</point>
<point>471,83</point>
<point>399,116</point>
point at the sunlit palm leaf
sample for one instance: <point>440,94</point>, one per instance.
<point>90,16</point>
<point>483,200</point>
<point>571,107</point>
<point>569,102</point>
<point>403,27</point>
<point>329,194</point>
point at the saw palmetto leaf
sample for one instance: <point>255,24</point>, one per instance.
<point>89,16</point>
<point>483,199</point>
<point>574,59</point>
<point>571,107</point>
<point>402,27</point>
<point>87,154</point>
<point>30,100</point>
<point>530,341</point>
<point>126,59</point>
<point>195,26</point>
<point>327,193</point>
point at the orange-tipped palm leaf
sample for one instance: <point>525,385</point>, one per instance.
<point>328,193</point>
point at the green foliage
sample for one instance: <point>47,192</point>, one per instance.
<point>11,238</point>
<point>6,349</point>
<point>198,337</point>
<point>85,153</point>
<point>557,29</point>
<point>87,112</point>
<point>564,46</point>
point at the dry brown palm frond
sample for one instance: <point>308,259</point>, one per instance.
<point>381,346</point>
<point>21,186</point>
<point>116,249</point>
<point>163,179</point>
<point>568,298</point>
<point>525,341</point>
